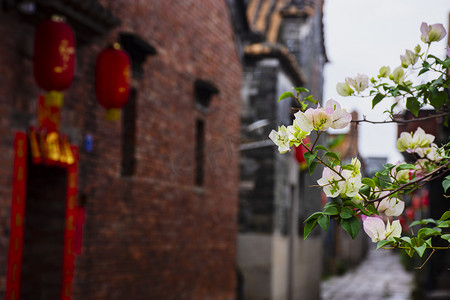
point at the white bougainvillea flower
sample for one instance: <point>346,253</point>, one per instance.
<point>392,207</point>
<point>344,89</point>
<point>346,186</point>
<point>398,75</point>
<point>350,187</point>
<point>432,33</point>
<point>410,58</point>
<point>432,153</point>
<point>359,83</point>
<point>295,133</point>
<point>394,230</point>
<point>329,182</point>
<point>384,72</point>
<point>341,118</point>
<point>281,139</point>
<point>375,229</point>
<point>410,142</point>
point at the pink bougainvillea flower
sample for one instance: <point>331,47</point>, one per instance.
<point>432,33</point>
<point>341,118</point>
<point>314,119</point>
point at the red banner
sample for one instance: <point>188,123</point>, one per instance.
<point>17,217</point>
<point>69,231</point>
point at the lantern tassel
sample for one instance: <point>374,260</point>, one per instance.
<point>112,114</point>
<point>54,98</point>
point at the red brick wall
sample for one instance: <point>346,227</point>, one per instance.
<point>154,235</point>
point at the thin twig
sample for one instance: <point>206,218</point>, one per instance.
<point>401,121</point>
<point>419,268</point>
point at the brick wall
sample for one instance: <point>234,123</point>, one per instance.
<point>153,235</point>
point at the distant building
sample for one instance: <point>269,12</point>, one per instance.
<point>281,47</point>
<point>148,210</point>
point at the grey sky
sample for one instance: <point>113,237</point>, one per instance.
<point>363,35</point>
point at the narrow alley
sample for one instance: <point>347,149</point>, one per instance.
<point>380,276</point>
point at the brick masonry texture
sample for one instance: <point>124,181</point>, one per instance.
<point>153,235</point>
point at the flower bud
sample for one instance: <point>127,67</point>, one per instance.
<point>417,49</point>
<point>410,58</point>
<point>384,72</point>
<point>398,75</point>
<point>344,89</point>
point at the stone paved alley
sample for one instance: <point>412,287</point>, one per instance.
<point>379,277</point>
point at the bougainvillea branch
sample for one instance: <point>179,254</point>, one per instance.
<point>377,201</point>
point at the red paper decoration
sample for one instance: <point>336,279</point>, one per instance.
<point>54,58</point>
<point>112,80</point>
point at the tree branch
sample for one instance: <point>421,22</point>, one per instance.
<point>401,121</point>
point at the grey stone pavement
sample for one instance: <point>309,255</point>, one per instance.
<point>379,277</point>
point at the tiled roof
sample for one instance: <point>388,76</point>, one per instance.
<point>264,16</point>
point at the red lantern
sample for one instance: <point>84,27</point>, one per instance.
<point>54,58</point>
<point>112,80</point>
<point>300,152</point>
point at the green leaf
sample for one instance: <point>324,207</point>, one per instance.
<point>382,180</point>
<point>405,167</point>
<point>312,167</point>
<point>346,213</point>
<point>438,81</point>
<point>438,98</point>
<point>446,183</point>
<point>427,232</point>
<point>309,157</point>
<point>421,249</point>
<point>311,99</point>
<point>321,147</point>
<point>309,226</point>
<point>415,223</point>
<point>352,226</point>
<point>314,216</point>
<point>406,239</point>
<point>378,97</point>
<point>334,156</point>
<point>286,95</point>
<point>444,224</point>
<point>301,90</point>
<point>383,243</point>
<point>410,252</point>
<point>331,203</point>
<point>331,210</point>
<point>324,222</point>
<point>446,215</point>
<point>446,237</point>
<point>413,105</point>
<point>369,182</point>
<point>365,190</point>
<point>371,209</point>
